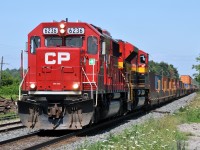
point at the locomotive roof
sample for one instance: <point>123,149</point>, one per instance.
<point>54,23</point>
<point>99,31</point>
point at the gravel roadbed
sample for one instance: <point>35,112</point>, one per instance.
<point>171,108</point>
<point>194,139</point>
<point>15,133</point>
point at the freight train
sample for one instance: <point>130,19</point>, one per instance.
<point>78,75</point>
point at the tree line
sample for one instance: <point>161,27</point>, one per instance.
<point>197,68</point>
<point>10,81</point>
<point>163,69</point>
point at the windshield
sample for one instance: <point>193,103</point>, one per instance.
<point>53,41</point>
<point>35,43</point>
<point>74,41</point>
<point>71,41</point>
<point>142,59</point>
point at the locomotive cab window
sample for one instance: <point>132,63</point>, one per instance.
<point>53,41</point>
<point>142,59</point>
<point>35,43</point>
<point>92,46</point>
<point>76,41</point>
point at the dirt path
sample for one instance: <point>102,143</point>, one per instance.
<point>194,139</point>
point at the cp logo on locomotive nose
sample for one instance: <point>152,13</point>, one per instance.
<point>51,57</point>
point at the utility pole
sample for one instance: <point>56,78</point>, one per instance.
<point>1,70</point>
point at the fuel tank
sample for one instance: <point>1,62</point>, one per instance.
<point>113,108</point>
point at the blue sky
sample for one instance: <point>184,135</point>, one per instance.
<point>168,30</point>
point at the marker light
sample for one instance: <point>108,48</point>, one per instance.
<point>62,31</point>
<point>75,86</point>
<point>62,25</point>
<point>32,86</point>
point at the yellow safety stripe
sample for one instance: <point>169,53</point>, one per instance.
<point>120,65</point>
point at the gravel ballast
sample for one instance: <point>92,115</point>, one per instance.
<point>15,133</point>
<point>171,108</point>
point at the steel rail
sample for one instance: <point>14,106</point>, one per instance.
<point>50,142</point>
<point>107,124</point>
<point>18,138</point>
<point>11,126</point>
<point>10,123</point>
<point>91,129</point>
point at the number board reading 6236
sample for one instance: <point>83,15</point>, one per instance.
<point>75,30</point>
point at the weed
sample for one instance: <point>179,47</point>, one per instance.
<point>154,134</point>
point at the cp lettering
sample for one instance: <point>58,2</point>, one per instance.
<point>52,58</point>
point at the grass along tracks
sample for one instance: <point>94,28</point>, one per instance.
<point>134,137</point>
<point>53,141</point>
<point>153,134</point>
<point>8,116</point>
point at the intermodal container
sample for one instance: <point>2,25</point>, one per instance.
<point>186,79</point>
<point>158,82</point>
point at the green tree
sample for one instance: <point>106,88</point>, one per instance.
<point>197,68</point>
<point>7,79</point>
<point>10,77</point>
<point>10,82</point>
<point>164,69</point>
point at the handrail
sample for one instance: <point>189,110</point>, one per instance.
<point>91,86</point>
<point>22,83</point>
<point>88,82</point>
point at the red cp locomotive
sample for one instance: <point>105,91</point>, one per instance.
<point>78,74</point>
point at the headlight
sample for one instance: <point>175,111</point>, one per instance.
<point>62,25</point>
<point>62,31</point>
<point>32,86</point>
<point>75,86</point>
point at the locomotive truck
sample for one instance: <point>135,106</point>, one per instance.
<point>78,75</point>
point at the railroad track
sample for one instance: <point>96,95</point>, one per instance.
<point>94,129</point>
<point>28,141</point>
<point>11,126</point>
<point>16,142</point>
<point>41,139</point>
<point>10,117</point>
